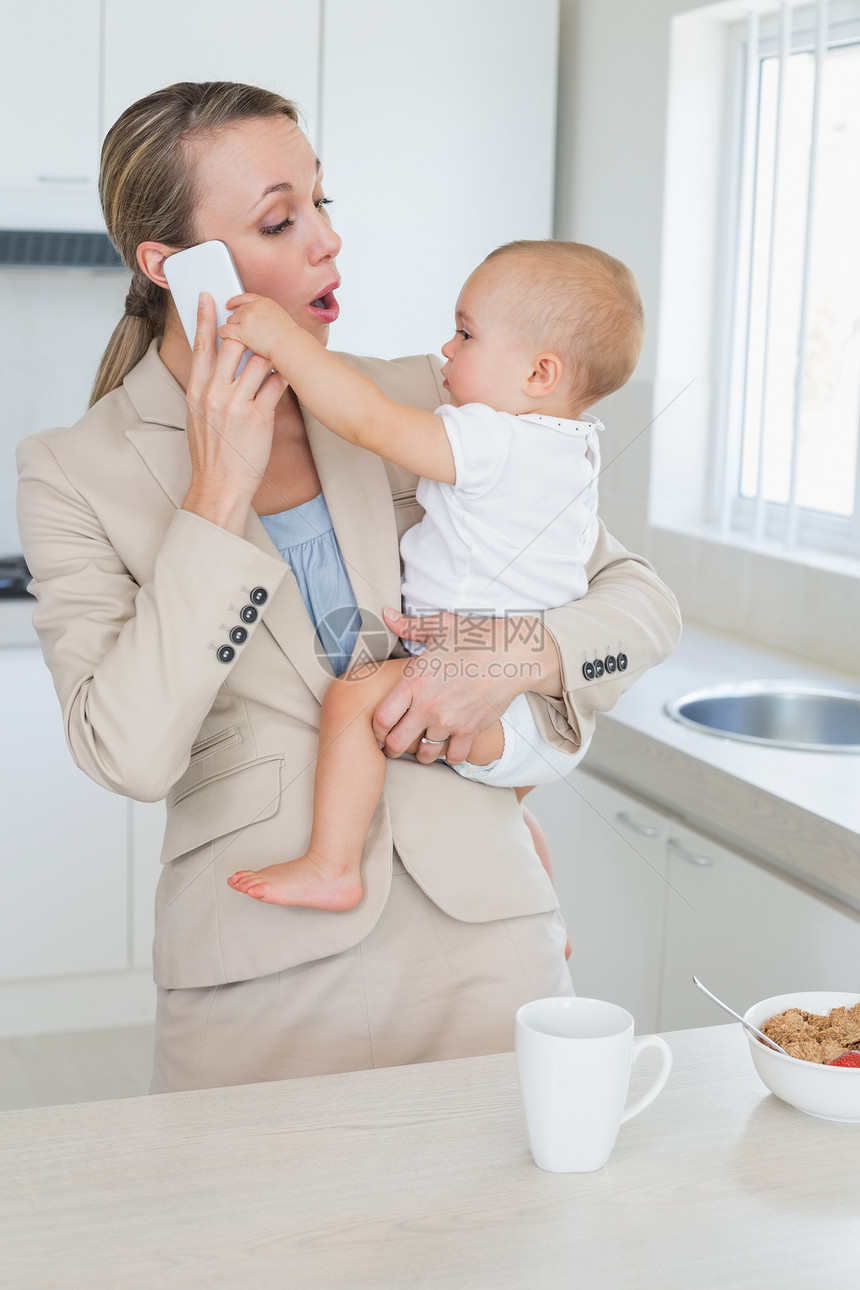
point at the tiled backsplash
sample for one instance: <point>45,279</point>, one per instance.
<point>766,596</point>
<point>54,325</point>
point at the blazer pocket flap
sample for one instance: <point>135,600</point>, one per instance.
<point>482,865</point>
<point>231,800</point>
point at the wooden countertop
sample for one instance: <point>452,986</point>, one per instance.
<point>420,1177</point>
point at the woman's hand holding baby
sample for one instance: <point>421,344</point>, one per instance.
<point>471,671</point>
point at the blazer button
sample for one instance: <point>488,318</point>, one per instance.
<point>622,662</point>
<point>248,614</point>
<point>259,596</point>
<point>239,635</point>
<point>588,671</point>
<point>598,667</point>
<point>226,654</point>
<point>610,663</point>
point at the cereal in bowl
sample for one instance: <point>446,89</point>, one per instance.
<point>813,1038</point>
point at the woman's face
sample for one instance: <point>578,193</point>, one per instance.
<point>260,191</point>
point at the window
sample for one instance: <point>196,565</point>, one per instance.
<point>790,372</point>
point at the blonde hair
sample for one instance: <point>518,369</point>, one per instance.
<point>148,193</point>
<point>581,303</point>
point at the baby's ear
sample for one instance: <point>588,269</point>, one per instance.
<point>545,376</point>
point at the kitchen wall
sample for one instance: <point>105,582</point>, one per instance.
<point>613,96</point>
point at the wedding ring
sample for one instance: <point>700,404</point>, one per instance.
<point>425,740</point>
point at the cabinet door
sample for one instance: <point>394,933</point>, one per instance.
<point>747,933</point>
<point>438,141</point>
<point>608,856</point>
<point>49,96</point>
<point>272,43</point>
<point>63,908</point>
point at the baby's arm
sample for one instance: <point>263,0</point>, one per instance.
<point>344,400</point>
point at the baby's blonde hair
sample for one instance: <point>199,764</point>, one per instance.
<point>580,303</point>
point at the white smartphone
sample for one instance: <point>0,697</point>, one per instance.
<point>206,267</point>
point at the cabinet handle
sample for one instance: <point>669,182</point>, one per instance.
<point>673,846</point>
<point>644,830</point>
<point>62,179</point>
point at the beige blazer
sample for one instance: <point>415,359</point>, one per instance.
<point>136,602</point>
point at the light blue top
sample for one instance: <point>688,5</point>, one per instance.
<point>306,539</point>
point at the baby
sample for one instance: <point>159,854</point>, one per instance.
<point>509,489</point>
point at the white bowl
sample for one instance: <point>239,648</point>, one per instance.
<point>827,1092</point>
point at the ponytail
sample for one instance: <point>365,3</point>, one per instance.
<point>145,306</point>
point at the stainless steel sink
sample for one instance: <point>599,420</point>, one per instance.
<point>781,714</point>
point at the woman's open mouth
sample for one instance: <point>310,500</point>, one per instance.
<point>325,307</point>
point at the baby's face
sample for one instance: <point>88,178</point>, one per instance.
<point>487,363</point>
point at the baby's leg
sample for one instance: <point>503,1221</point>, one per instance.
<point>535,829</point>
<point>541,845</point>
<point>349,776</point>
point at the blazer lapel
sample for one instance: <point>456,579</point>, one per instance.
<point>159,402</point>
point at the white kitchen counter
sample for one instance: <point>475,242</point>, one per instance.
<point>799,811</point>
<point>420,1177</point>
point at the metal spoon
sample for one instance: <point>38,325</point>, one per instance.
<point>747,1026</point>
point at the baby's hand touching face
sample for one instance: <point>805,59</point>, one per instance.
<point>257,322</point>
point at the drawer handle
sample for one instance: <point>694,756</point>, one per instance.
<point>673,846</point>
<point>644,830</point>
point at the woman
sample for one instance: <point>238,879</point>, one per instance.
<point>184,651</point>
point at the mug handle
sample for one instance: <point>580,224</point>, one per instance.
<point>639,1046</point>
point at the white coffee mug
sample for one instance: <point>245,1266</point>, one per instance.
<point>574,1058</point>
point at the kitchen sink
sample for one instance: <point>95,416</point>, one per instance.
<point>780,714</point>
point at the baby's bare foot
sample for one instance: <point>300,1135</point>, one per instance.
<point>309,881</point>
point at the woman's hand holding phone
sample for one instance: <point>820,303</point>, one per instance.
<point>230,424</point>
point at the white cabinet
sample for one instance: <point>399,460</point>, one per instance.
<point>65,858</point>
<point>747,933</point>
<point>650,902</point>
<point>75,65</point>
<point>49,95</point>
<point>80,864</point>
<point>609,861</point>
<point>49,105</point>
<point>438,142</point>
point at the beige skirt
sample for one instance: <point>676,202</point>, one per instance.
<point>421,987</point>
